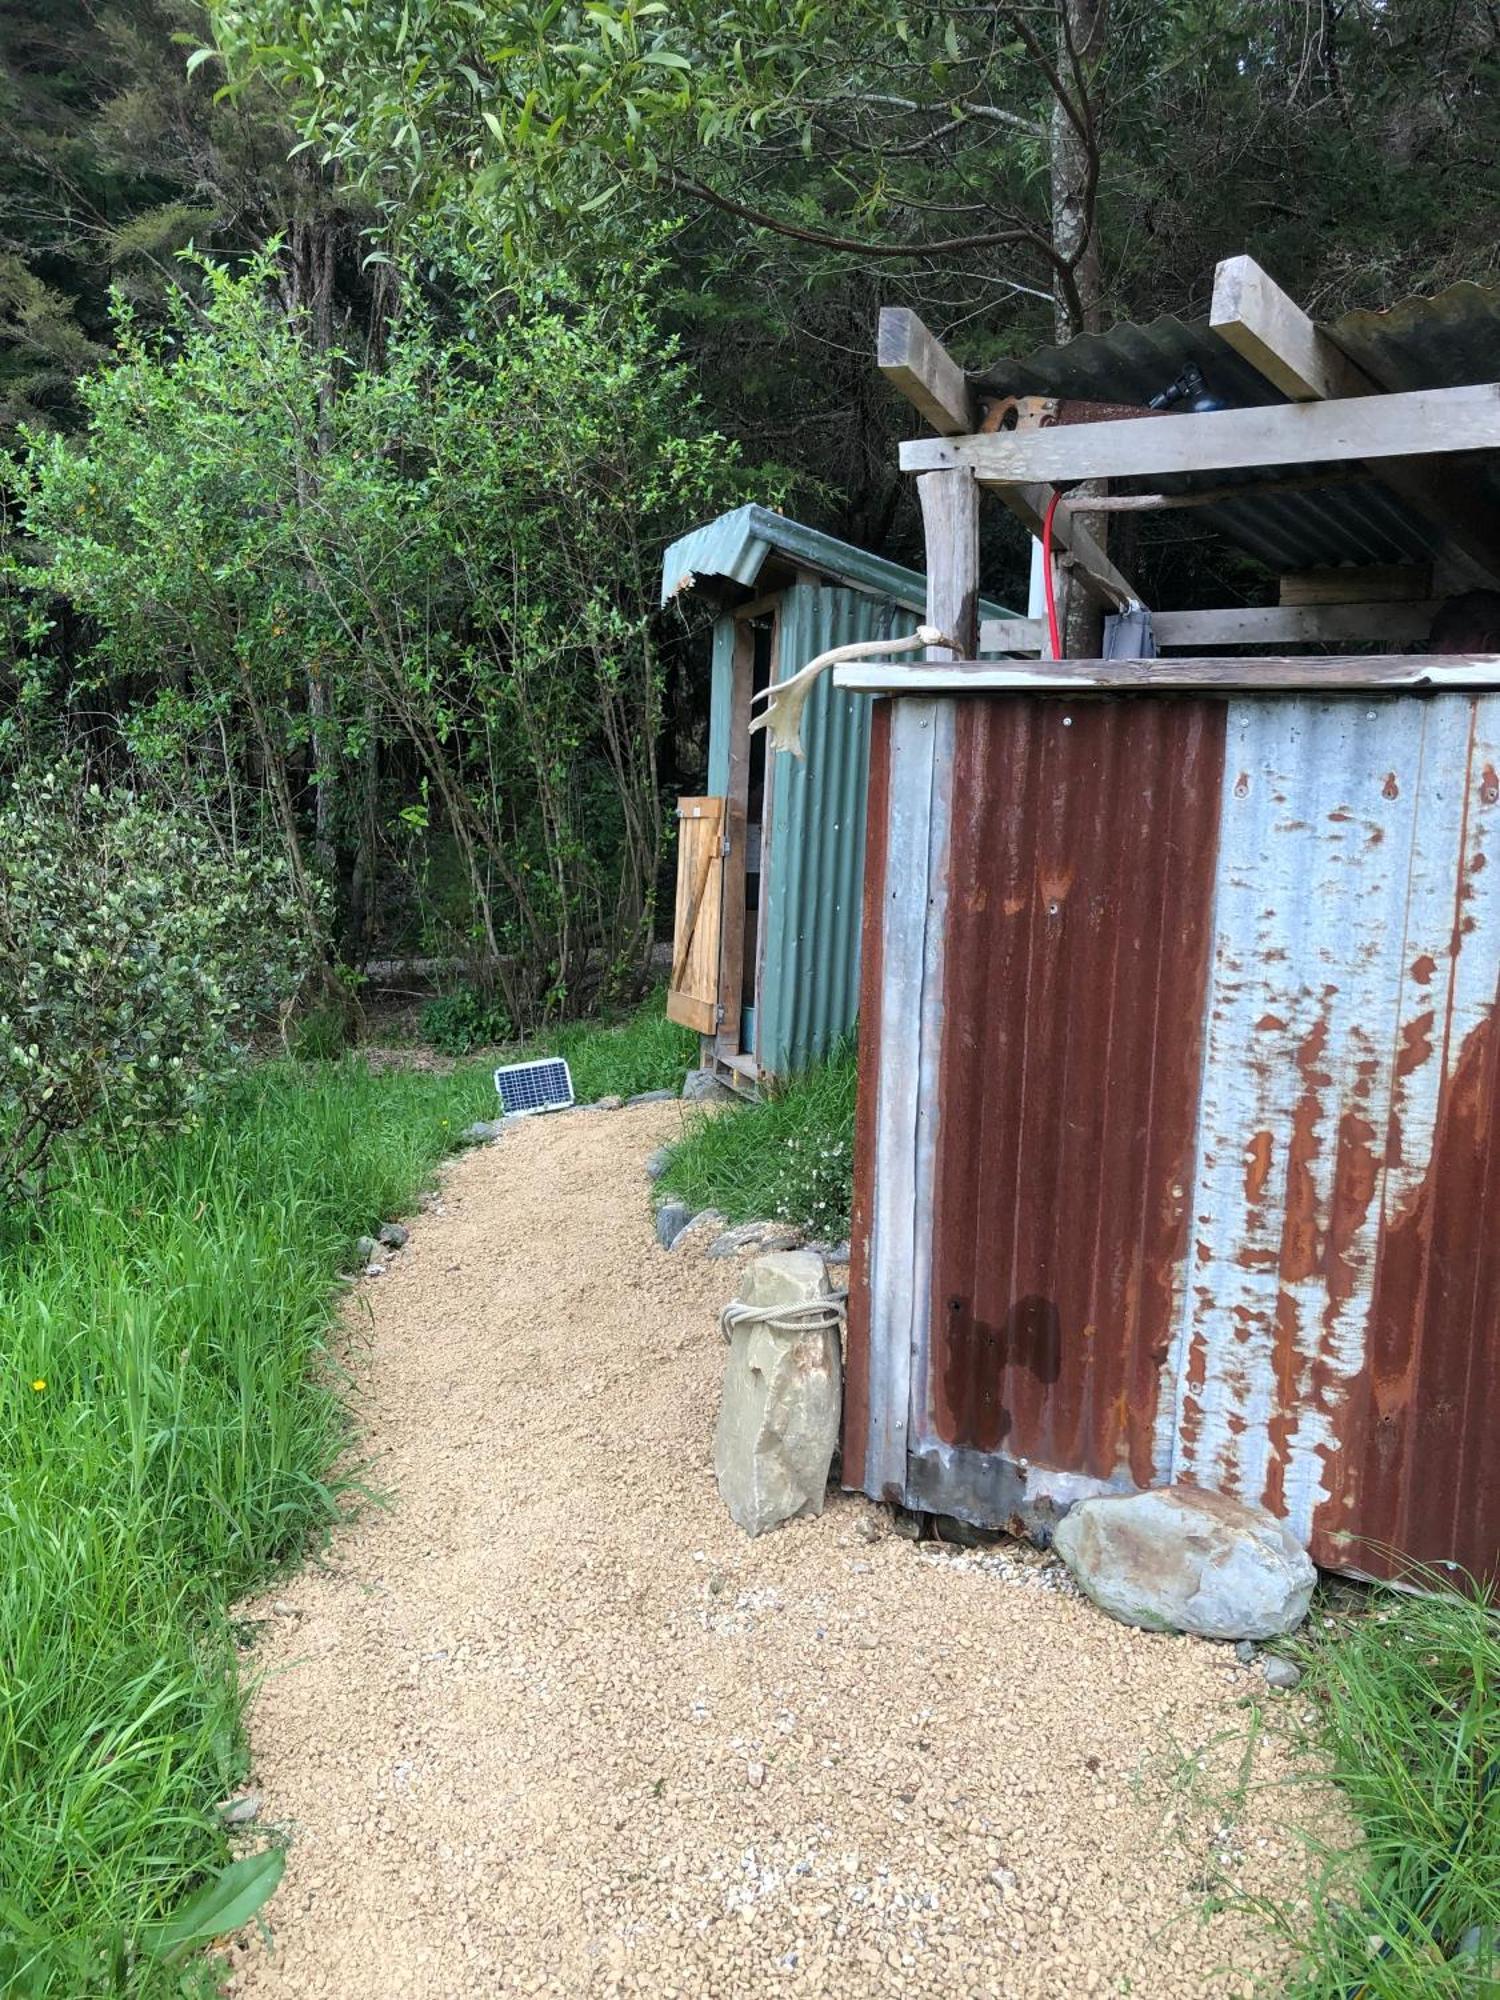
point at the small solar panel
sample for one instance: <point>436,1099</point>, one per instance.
<point>534,1086</point>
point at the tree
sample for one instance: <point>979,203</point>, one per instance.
<point>866,129</point>
<point>446,576</point>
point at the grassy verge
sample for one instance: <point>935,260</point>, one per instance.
<point>169,1424</point>
<point>642,1050</point>
<point>789,1157</point>
<point>1408,1696</point>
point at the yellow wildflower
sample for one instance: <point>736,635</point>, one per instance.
<point>39,1384</point>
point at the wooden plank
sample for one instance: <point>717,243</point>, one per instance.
<point>1359,583</point>
<point>950,522</point>
<point>1249,625</point>
<point>916,362</point>
<point>1254,316</point>
<point>1350,673</point>
<point>1420,423</point>
<point>1087,561</point>
<point>693,988</point>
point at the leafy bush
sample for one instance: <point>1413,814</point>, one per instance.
<point>136,954</point>
<point>789,1157</point>
<point>464,1019</point>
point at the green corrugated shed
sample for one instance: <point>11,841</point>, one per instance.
<point>821,593</point>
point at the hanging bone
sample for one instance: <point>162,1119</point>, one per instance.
<point>785,700</point>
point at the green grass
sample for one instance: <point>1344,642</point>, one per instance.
<point>644,1051</point>
<point>1408,1698</point>
<point>641,1050</point>
<point>789,1157</point>
<point>175,1306</point>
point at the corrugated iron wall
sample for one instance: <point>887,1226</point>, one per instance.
<point>809,978</point>
<point>1210,1191</point>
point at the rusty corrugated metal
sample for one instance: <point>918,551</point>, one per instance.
<point>1211,1188</point>
<point>1080,901</point>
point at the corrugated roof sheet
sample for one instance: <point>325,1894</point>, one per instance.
<point>1432,343</point>
<point>738,545</point>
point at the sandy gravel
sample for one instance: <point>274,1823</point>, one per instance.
<point>550,1724</point>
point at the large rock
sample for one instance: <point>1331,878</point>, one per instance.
<point>779,1418</point>
<point>1184,1560</point>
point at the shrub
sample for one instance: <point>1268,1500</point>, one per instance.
<point>136,954</point>
<point>464,1019</point>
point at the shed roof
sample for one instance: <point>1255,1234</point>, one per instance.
<point>1441,342</point>
<point>737,546</point>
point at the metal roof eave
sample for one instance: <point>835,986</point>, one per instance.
<point>738,545</point>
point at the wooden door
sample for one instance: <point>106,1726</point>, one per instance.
<point>693,990</point>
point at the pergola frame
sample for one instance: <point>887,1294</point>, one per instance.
<point>1340,424</point>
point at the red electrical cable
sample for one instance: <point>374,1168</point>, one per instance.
<point>1048,584</point>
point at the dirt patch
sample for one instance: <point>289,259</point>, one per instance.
<point>550,1724</point>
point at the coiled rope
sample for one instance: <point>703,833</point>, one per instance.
<point>805,1316</point>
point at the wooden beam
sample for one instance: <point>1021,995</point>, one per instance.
<point>1087,561</point>
<point>1256,318</point>
<point>950,524</point>
<point>917,363</point>
<point>1359,583</point>
<point>1378,673</point>
<point>1250,625</point>
<point>1419,424</point>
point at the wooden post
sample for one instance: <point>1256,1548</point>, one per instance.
<point>950,518</point>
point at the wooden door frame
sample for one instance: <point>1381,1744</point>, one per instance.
<point>726,1043</point>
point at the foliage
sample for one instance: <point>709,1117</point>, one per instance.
<point>788,1157</point>
<point>465,1019</point>
<point>135,957</point>
<point>446,570</point>
<point>171,1415</point>
<point>1407,1695</point>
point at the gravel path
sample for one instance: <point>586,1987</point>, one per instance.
<point>550,1724</point>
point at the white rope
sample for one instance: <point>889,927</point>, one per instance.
<point>806,1316</point>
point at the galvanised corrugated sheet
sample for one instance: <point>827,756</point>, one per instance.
<point>1437,343</point>
<point>809,975</point>
<point>737,546</point>
<point>1204,993</point>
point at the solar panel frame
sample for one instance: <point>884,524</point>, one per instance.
<point>526,1088</point>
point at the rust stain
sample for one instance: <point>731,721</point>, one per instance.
<point>1069,1072</point>
<point>1257,1166</point>
<point>1419,1471</point>
<point>1390,789</point>
<point>1416,1043</point>
<point>1489,786</point>
<point>1423,967</point>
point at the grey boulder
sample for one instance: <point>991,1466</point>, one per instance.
<point>783,1386</point>
<point>762,1236</point>
<point>658,1162</point>
<point>671,1219</point>
<point>394,1235</point>
<point>1181,1559</point>
<point>482,1131</point>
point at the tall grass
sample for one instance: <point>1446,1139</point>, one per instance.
<point>789,1157</point>
<point>168,1419</point>
<point>1406,1699</point>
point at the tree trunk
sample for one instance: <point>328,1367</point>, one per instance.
<point>1075,235</point>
